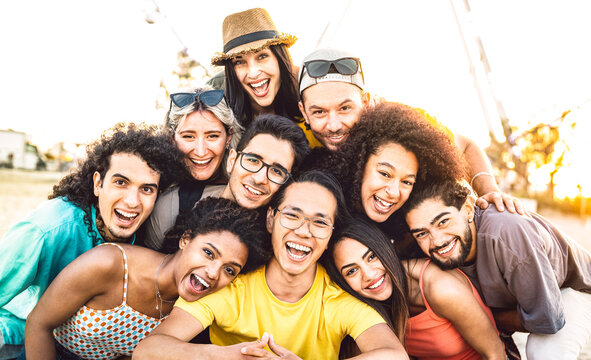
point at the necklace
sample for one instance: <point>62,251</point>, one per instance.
<point>158,297</point>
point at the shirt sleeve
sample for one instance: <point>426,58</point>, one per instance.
<point>357,318</point>
<point>21,249</point>
<point>220,307</point>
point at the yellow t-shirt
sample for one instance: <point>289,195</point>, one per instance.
<point>314,143</point>
<point>312,328</point>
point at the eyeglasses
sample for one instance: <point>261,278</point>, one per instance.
<point>209,98</point>
<point>344,66</point>
<point>291,219</point>
<point>253,163</point>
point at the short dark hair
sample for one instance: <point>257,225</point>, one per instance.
<point>452,193</point>
<point>281,128</point>
<point>323,179</point>
<point>219,214</point>
<point>286,100</point>
<point>395,310</point>
<point>145,141</point>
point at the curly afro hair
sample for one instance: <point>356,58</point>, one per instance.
<point>393,123</point>
<point>155,148</point>
<point>218,214</point>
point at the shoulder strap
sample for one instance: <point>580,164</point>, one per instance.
<point>421,283</point>
<point>189,194</point>
<point>125,270</point>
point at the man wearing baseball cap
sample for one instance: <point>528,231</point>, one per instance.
<point>332,97</point>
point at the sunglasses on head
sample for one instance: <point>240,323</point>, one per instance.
<point>344,66</point>
<point>209,98</point>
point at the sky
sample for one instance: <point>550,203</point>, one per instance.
<point>70,69</point>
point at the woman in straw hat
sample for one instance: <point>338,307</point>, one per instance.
<point>260,75</point>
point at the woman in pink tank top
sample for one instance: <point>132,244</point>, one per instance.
<point>107,300</point>
<point>448,320</point>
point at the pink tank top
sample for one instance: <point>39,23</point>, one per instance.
<point>429,336</point>
<point>105,334</point>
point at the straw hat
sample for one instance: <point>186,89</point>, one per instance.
<point>249,30</point>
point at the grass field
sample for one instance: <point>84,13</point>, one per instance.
<point>23,191</point>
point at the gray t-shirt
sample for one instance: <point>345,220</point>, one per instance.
<point>166,211</point>
<point>525,261</point>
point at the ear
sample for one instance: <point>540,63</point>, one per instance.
<point>301,106</point>
<point>365,98</point>
<point>184,240</point>
<point>270,218</point>
<point>231,160</point>
<point>229,137</point>
<point>97,183</point>
<point>468,207</point>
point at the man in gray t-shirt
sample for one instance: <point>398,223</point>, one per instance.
<point>534,278</point>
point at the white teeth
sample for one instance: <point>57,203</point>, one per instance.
<point>298,247</point>
<point>253,190</point>
<point>447,249</point>
<point>202,162</point>
<point>206,285</point>
<point>126,214</point>
<point>377,284</point>
<point>383,202</point>
<point>259,84</point>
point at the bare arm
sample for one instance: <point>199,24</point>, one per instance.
<point>485,185</point>
<point>380,342</point>
<point>88,275</point>
<point>451,298</point>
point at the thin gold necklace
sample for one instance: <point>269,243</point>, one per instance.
<point>158,297</point>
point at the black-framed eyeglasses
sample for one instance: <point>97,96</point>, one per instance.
<point>209,98</point>
<point>320,228</point>
<point>344,66</point>
<point>253,163</point>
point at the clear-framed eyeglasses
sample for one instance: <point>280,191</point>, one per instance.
<point>320,227</point>
<point>253,163</point>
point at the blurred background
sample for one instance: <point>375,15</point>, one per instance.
<point>512,75</point>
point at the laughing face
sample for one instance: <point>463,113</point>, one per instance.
<point>202,138</point>
<point>297,251</point>
<point>126,196</point>
<point>253,190</point>
<point>388,179</point>
<point>208,262</point>
<point>259,74</point>
<point>331,109</point>
<point>362,270</point>
<point>444,233</point>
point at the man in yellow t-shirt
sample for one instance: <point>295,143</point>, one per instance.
<point>332,97</point>
<point>289,308</point>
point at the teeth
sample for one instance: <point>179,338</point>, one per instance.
<point>253,190</point>
<point>202,162</point>
<point>206,285</point>
<point>383,202</point>
<point>298,247</point>
<point>377,284</point>
<point>259,84</point>
<point>447,249</point>
<point>126,214</point>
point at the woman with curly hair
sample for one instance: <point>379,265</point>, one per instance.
<point>204,129</point>
<point>391,150</point>
<point>107,300</point>
<point>106,198</point>
<point>260,76</point>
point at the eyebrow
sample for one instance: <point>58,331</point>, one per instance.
<point>220,255</point>
<point>261,158</point>
<point>127,179</point>
<point>351,264</point>
<point>314,106</point>
<point>435,219</point>
<point>387,164</point>
<point>318,214</point>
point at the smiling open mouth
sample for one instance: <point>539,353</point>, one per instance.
<point>447,249</point>
<point>201,162</point>
<point>296,251</point>
<point>253,191</point>
<point>126,216</point>
<point>260,88</point>
<point>198,284</point>
<point>377,283</point>
<point>382,205</point>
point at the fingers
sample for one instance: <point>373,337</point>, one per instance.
<point>502,201</point>
<point>481,203</point>
<point>257,348</point>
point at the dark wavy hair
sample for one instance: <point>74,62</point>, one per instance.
<point>394,310</point>
<point>145,141</point>
<point>452,193</point>
<point>219,214</point>
<point>281,128</point>
<point>396,123</point>
<point>286,100</point>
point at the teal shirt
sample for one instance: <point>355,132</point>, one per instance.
<point>33,252</point>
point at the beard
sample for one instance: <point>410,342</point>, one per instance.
<point>452,263</point>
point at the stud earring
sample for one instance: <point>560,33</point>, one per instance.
<point>470,220</point>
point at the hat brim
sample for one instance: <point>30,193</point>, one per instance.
<point>283,38</point>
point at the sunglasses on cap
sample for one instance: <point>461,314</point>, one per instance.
<point>209,98</point>
<point>344,66</point>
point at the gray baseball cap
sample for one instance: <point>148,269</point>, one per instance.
<point>330,55</point>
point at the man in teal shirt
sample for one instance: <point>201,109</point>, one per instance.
<point>106,198</point>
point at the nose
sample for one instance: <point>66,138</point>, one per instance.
<point>260,177</point>
<point>253,70</point>
<point>304,229</point>
<point>132,198</point>
<point>393,189</point>
<point>213,271</point>
<point>200,147</point>
<point>437,238</point>
<point>368,273</point>
<point>334,123</point>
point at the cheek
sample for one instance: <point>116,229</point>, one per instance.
<point>218,147</point>
<point>184,146</point>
